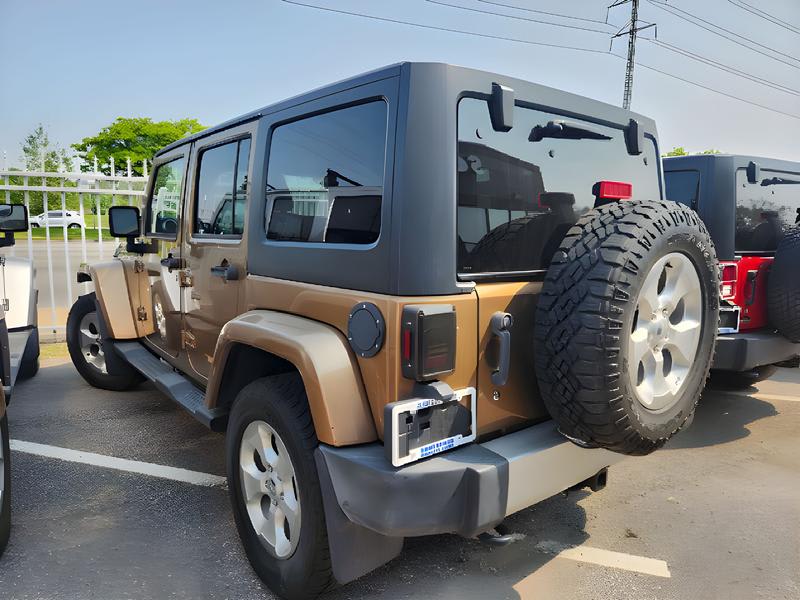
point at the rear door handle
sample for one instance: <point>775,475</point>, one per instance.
<point>226,271</point>
<point>500,324</point>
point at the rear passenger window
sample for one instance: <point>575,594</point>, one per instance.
<point>221,195</point>
<point>520,191</point>
<point>325,177</point>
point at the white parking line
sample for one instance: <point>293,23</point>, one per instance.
<point>119,464</point>
<point>606,558</point>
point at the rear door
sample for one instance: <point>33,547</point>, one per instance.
<point>517,198</point>
<point>215,249</point>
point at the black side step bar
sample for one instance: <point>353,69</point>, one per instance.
<point>172,383</point>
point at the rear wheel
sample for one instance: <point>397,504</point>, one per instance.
<point>74,226</point>
<point>5,484</point>
<point>87,351</point>
<point>740,380</point>
<point>275,489</point>
<point>625,325</point>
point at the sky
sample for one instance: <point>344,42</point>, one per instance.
<point>76,66</point>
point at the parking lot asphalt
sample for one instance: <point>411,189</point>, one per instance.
<point>716,514</point>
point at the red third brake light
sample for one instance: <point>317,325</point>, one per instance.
<point>615,190</point>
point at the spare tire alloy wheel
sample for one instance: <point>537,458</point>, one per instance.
<point>626,324</point>
<point>269,489</point>
<point>666,330</point>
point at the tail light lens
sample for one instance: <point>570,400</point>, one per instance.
<point>428,341</point>
<point>728,273</point>
<point>614,190</point>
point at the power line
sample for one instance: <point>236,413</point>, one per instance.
<point>723,67</point>
<point>521,41</point>
<point>543,12</point>
<point>632,31</point>
<point>710,89</point>
<point>765,15</point>
<point>528,19</point>
<point>672,9</point>
<point>447,29</point>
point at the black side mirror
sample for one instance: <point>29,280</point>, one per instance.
<point>124,221</point>
<point>13,218</point>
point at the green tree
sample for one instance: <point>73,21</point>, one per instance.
<point>677,151</point>
<point>137,138</point>
<point>37,146</point>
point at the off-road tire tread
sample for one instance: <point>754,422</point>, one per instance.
<point>783,287</point>
<point>579,315</point>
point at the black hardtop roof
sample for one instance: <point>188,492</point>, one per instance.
<point>523,88</point>
<point>735,161</point>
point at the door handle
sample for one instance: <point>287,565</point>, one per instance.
<point>226,271</point>
<point>500,324</point>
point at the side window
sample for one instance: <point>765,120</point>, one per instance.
<point>520,191</point>
<point>165,201</point>
<point>683,187</point>
<point>221,195</point>
<point>325,177</point>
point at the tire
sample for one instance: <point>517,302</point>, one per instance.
<point>74,226</point>
<point>5,465</point>
<point>280,403</point>
<point>29,365</point>
<point>90,362</point>
<point>740,380</point>
<point>783,287</point>
<point>589,330</point>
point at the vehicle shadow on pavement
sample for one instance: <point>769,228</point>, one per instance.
<point>722,417</point>
<point>449,566</point>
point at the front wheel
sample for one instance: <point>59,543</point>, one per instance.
<point>275,489</point>
<point>625,325</point>
<point>87,350</point>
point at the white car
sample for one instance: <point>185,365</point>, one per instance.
<point>58,218</point>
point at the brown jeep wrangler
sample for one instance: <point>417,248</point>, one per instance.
<point>416,301</point>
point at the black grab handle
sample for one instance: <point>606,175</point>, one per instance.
<point>500,325</point>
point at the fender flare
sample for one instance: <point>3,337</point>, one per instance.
<point>336,396</point>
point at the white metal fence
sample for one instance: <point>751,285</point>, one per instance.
<point>57,249</point>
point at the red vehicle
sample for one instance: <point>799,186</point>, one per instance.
<point>752,209</point>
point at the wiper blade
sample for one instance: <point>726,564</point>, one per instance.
<point>566,130</point>
<point>779,181</point>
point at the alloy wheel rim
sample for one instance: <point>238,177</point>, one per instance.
<point>269,489</point>
<point>665,333</point>
<point>90,343</point>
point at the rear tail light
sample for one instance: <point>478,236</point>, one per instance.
<point>728,273</point>
<point>428,341</point>
<point>614,190</point>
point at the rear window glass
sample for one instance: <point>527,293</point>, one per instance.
<point>325,177</point>
<point>683,187</point>
<point>222,189</point>
<point>764,210</point>
<point>517,198</point>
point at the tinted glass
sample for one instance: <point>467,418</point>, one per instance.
<point>166,199</point>
<point>764,210</point>
<point>517,198</point>
<point>221,180</point>
<point>683,186</point>
<point>325,177</point>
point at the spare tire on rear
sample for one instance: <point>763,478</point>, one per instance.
<point>783,287</point>
<point>626,323</point>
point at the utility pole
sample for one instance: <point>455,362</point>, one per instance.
<point>631,28</point>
